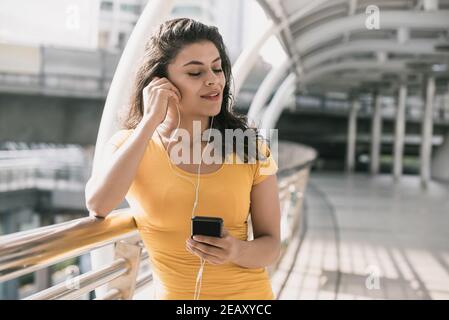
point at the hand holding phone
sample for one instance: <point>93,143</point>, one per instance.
<point>213,242</point>
<point>157,97</point>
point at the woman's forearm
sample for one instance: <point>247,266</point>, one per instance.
<point>107,188</point>
<point>258,253</point>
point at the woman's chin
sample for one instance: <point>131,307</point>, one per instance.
<point>217,110</point>
<point>213,112</point>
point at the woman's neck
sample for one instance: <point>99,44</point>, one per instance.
<point>194,126</point>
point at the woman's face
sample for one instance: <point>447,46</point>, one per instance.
<point>196,71</point>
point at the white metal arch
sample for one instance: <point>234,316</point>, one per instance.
<point>245,61</point>
<point>359,46</point>
<point>154,13</point>
<point>393,66</point>
<point>323,25</point>
<point>277,104</point>
<point>325,32</point>
<point>260,99</point>
<point>390,20</point>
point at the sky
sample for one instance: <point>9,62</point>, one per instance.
<point>50,22</point>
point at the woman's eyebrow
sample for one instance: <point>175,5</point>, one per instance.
<point>199,62</point>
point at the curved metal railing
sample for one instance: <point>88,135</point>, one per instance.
<point>28,251</point>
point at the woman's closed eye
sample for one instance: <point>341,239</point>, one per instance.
<point>198,73</point>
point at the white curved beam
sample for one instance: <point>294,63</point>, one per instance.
<point>308,7</point>
<point>265,89</point>
<point>154,13</point>
<point>348,80</point>
<point>392,66</point>
<point>389,20</point>
<point>413,46</point>
<point>277,104</point>
<point>245,62</point>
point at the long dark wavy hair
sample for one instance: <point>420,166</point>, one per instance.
<point>161,49</point>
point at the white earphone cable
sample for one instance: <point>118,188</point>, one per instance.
<point>199,277</point>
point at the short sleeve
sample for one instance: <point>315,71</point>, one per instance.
<point>119,137</point>
<point>264,167</point>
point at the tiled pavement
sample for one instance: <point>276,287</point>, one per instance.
<point>369,238</point>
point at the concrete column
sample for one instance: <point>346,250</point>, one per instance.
<point>376,132</point>
<point>352,134</point>
<point>446,104</point>
<point>440,159</point>
<point>427,133</point>
<point>399,133</point>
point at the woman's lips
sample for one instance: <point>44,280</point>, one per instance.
<point>216,98</point>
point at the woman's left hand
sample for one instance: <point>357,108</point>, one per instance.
<point>214,250</point>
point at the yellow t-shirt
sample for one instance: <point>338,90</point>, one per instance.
<point>162,204</point>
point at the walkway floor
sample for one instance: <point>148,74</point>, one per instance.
<point>368,238</point>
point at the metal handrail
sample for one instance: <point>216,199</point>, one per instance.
<point>84,283</point>
<point>28,251</point>
<point>115,294</point>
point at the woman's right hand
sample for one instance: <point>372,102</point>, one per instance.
<point>158,95</point>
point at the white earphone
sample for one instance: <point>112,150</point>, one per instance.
<point>199,277</point>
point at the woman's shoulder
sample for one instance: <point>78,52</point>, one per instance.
<point>119,137</point>
<point>266,162</point>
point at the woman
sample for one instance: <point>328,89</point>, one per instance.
<point>184,66</point>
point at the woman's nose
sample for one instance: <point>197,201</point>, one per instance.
<point>212,79</point>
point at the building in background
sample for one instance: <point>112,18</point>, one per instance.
<point>117,19</point>
<point>116,22</point>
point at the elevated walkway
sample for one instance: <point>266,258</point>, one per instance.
<point>368,238</point>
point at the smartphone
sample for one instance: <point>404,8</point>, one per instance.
<point>207,226</point>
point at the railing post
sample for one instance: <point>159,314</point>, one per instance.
<point>9,290</point>
<point>131,250</point>
<point>42,277</point>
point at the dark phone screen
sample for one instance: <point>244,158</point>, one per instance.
<point>207,226</point>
